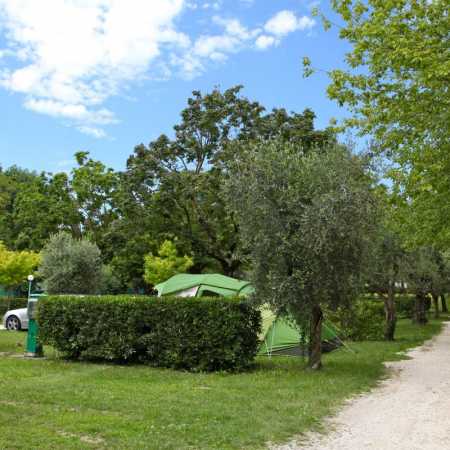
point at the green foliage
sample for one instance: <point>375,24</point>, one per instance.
<point>110,284</point>
<point>166,264</point>
<point>173,186</point>
<point>402,99</point>
<point>94,187</point>
<point>364,321</point>
<point>308,219</point>
<point>170,190</point>
<point>422,271</point>
<point>70,266</point>
<point>33,206</point>
<point>183,333</point>
<point>405,305</point>
<point>7,303</point>
<point>388,256</point>
<point>396,86</point>
<point>16,266</point>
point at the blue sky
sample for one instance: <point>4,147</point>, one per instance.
<point>94,75</point>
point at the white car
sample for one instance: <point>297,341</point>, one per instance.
<point>16,319</point>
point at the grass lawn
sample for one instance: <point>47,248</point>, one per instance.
<point>56,404</point>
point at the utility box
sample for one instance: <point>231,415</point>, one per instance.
<point>34,348</point>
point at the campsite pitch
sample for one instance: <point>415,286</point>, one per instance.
<point>56,404</point>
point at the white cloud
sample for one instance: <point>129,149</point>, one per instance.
<point>68,57</point>
<point>74,111</point>
<point>216,48</point>
<point>92,131</point>
<point>72,55</point>
<point>285,22</point>
<point>264,41</point>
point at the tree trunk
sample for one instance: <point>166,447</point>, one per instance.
<point>391,316</point>
<point>315,339</point>
<point>420,316</point>
<point>436,306</point>
<point>444,304</point>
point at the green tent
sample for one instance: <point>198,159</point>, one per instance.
<point>279,336</point>
<point>282,336</point>
<point>203,285</point>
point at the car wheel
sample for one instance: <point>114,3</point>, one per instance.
<point>13,323</point>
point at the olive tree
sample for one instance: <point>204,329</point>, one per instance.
<point>386,274</point>
<point>307,218</point>
<point>71,266</point>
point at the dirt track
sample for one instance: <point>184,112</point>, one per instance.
<point>409,411</point>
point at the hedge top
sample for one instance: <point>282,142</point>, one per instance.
<point>205,283</point>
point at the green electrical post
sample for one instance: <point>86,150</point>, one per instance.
<point>34,348</point>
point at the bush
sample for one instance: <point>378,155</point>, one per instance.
<point>7,303</point>
<point>183,333</point>
<point>70,266</point>
<point>365,321</point>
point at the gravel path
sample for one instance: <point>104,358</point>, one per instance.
<point>409,411</point>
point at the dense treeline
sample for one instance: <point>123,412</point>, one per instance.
<point>235,190</point>
<point>171,189</point>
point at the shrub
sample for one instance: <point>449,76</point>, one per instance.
<point>365,321</point>
<point>7,303</point>
<point>183,333</point>
<point>70,266</point>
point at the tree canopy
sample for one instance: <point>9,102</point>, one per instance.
<point>16,266</point>
<point>396,86</point>
<point>308,218</point>
<point>166,264</point>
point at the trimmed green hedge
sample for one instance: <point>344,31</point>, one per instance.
<point>198,334</point>
<point>7,303</point>
<point>365,321</point>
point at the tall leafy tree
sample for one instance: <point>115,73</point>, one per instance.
<point>397,87</point>
<point>308,218</point>
<point>94,187</point>
<point>386,274</point>
<point>43,208</point>
<point>175,183</point>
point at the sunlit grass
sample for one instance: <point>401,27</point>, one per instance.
<point>56,404</point>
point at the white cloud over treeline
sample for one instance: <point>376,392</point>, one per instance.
<point>68,57</point>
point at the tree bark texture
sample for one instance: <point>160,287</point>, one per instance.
<point>420,315</point>
<point>436,306</point>
<point>315,340</point>
<point>391,315</point>
<point>444,303</point>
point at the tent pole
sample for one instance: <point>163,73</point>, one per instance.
<point>340,340</point>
